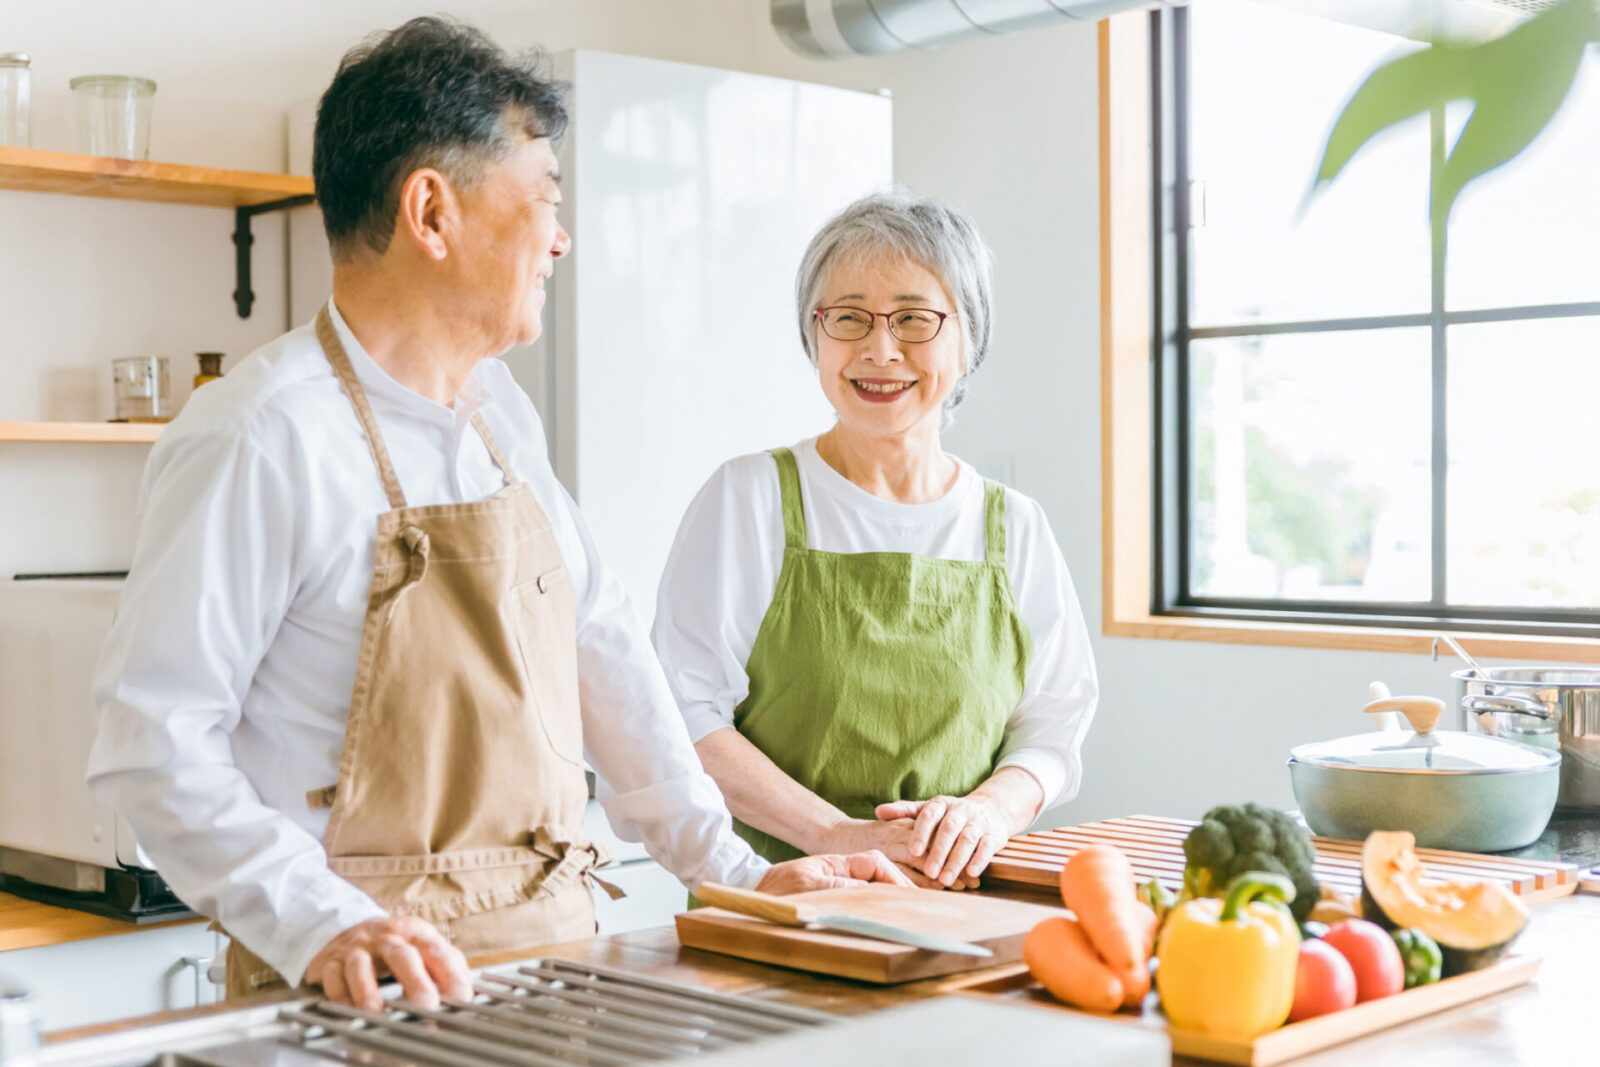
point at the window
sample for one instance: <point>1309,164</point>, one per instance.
<point>1347,428</point>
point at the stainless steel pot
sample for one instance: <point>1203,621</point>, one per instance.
<point>1452,790</point>
<point>1549,707</point>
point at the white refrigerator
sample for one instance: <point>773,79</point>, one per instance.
<point>670,342</point>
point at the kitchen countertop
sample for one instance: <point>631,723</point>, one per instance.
<point>29,924</point>
<point>1544,1022</point>
<point>1570,837</point>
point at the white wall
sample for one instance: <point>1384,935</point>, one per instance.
<point>1005,126</point>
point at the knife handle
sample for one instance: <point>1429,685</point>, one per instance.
<point>753,903</point>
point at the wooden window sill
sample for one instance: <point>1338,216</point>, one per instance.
<point>1524,647</point>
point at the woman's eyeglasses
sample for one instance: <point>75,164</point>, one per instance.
<point>911,325</point>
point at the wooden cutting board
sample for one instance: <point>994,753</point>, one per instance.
<point>1154,846</point>
<point>998,925</point>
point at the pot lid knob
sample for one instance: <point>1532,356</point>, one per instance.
<point>1421,712</point>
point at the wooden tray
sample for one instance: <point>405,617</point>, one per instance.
<point>1291,1041</point>
<point>998,925</point>
<point>1154,845</point>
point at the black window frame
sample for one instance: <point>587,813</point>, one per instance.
<point>1171,333</point>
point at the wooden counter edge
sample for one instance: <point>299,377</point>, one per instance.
<point>29,924</point>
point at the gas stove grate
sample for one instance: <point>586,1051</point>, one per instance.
<point>549,1012</point>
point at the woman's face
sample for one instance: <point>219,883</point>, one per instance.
<point>879,385</point>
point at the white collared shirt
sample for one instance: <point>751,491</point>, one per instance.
<point>224,686</point>
<point>723,572</point>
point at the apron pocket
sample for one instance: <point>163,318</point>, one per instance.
<point>546,634</point>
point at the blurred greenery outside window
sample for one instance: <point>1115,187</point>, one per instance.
<point>1361,426</point>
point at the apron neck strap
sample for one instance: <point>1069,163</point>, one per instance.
<point>994,523</point>
<point>794,513</point>
<point>493,446</point>
<point>328,337</point>
<point>334,350</point>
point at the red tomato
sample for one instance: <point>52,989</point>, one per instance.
<point>1323,982</point>
<point>1372,955</point>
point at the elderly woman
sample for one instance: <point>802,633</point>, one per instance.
<point>874,647</point>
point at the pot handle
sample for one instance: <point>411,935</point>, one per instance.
<point>1479,702</point>
<point>1421,712</point>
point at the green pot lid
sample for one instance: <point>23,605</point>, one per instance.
<point>1438,752</point>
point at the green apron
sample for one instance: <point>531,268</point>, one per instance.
<point>883,676</point>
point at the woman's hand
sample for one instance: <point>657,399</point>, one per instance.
<point>952,838</point>
<point>892,837</point>
<point>830,872</point>
<point>922,881</point>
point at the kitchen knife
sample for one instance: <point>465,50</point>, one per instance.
<point>785,912</point>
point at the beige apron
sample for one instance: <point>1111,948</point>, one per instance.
<point>461,789</point>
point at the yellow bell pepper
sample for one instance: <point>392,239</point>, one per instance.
<point>1228,966</point>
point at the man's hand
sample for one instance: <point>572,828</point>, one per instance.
<point>954,838</point>
<point>409,949</point>
<point>830,872</point>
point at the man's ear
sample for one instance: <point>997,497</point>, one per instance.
<point>428,212</point>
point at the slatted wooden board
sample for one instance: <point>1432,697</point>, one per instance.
<point>1154,846</point>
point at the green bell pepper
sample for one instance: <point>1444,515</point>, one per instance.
<point>1421,956</point>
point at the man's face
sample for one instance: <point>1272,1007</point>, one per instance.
<point>510,240</point>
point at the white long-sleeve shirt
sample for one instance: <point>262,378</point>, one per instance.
<point>723,571</point>
<point>224,686</point>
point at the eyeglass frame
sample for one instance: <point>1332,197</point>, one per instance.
<point>874,316</point>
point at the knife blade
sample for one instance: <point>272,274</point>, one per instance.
<point>885,932</point>
<point>787,913</point>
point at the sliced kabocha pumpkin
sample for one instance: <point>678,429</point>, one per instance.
<point>1472,922</point>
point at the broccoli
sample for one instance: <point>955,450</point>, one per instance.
<point>1235,838</point>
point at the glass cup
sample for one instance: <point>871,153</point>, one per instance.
<point>114,115</point>
<point>15,76</point>
<point>143,389</point>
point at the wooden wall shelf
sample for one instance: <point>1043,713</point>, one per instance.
<point>38,171</point>
<point>119,433</point>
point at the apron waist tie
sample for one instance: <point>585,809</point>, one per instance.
<point>574,861</point>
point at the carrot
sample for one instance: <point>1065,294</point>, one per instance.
<point>1097,884</point>
<point>1060,957</point>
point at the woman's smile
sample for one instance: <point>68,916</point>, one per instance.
<point>882,390</point>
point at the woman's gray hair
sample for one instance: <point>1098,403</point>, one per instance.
<point>933,233</point>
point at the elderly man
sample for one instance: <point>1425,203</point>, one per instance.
<point>366,642</point>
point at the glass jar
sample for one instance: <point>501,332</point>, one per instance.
<point>15,75</point>
<point>143,389</point>
<point>114,115</point>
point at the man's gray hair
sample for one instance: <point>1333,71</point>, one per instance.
<point>930,232</point>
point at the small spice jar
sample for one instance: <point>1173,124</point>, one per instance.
<point>210,367</point>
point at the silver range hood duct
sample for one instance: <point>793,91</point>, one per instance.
<point>841,29</point>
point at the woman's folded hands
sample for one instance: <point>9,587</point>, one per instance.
<point>947,841</point>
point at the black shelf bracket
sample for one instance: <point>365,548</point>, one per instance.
<point>243,295</point>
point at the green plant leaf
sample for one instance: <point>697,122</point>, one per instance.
<point>1516,82</point>
<point>1411,85</point>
